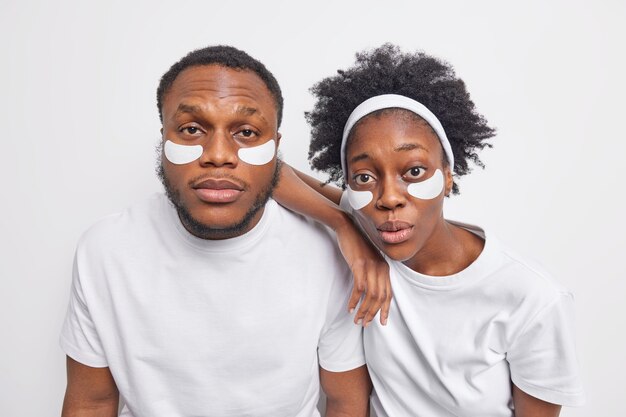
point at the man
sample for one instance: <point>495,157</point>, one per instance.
<point>214,300</point>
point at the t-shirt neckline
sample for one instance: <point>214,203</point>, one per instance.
<point>482,266</point>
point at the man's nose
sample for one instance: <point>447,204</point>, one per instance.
<point>220,149</point>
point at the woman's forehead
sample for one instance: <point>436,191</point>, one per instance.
<point>394,130</point>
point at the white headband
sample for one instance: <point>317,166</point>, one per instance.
<point>387,101</point>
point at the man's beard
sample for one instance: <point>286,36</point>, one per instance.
<point>203,231</point>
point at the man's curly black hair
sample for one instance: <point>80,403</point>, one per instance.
<point>226,56</point>
<point>386,70</point>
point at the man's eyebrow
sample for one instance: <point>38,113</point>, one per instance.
<point>187,108</point>
<point>409,147</point>
<point>249,111</point>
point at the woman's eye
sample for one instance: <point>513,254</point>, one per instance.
<point>362,179</point>
<point>415,173</point>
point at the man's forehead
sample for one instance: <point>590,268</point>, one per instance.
<point>220,77</point>
<point>196,83</point>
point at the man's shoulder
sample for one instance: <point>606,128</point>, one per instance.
<point>305,238</point>
<point>290,223</point>
<point>120,226</point>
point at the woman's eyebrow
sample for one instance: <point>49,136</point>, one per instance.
<point>410,147</point>
<point>359,157</point>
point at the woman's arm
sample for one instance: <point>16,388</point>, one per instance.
<point>306,195</point>
<point>529,406</point>
<point>327,190</point>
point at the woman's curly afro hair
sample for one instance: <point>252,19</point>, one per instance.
<point>386,70</point>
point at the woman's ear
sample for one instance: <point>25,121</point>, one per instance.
<point>449,181</point>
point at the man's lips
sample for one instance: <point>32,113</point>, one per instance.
<point>217,190</point>
<point>395,231</point>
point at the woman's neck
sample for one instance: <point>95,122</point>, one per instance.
<point>449,250</point>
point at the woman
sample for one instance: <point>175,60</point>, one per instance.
<point>474,329</point>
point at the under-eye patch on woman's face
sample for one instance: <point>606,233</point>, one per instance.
<point>359,199</point>
<point>258,155</point>
<point>427,189</point>
<point>183,154</point>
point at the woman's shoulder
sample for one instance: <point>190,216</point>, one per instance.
<point>525,278</point>
<point>514,271</point>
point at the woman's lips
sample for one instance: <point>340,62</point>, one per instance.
<point>217,191</point>
<point>395,231</point>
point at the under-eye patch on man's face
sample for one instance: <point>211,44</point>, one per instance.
<point>427,189</point>
<point>359,199</point>
<point>258,155</point>
<point>183,154</point>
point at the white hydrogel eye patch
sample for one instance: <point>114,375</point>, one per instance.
<point>181,154</point>
<point>427,189</point>
<point>359,199</point>
<point>258,155</point>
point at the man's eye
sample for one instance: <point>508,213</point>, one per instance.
<point>245,134</point>
<point>192,130</point>
<point>362,179</point>
<point>414,173</point>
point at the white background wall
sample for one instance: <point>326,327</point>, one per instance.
<point>78,127</point>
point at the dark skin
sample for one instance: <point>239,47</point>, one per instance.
<point>356,382</point>
<point>222,109</point>
<point>91,392</point>
<point>529,406</point>
<point>410,153</point>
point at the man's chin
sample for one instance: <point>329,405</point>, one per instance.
<point>216,230</point>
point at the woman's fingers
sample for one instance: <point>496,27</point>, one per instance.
<point>377,295</point>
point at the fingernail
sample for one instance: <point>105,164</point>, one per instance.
<point>359,322</point>
<point>351,310</point>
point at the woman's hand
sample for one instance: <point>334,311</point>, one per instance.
<point>371,275</point>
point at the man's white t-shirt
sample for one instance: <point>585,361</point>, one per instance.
<point>193,327</point>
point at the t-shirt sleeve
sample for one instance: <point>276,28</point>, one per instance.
<point>543,359</point>
<point>340,347</point>
<point>79,338</point>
